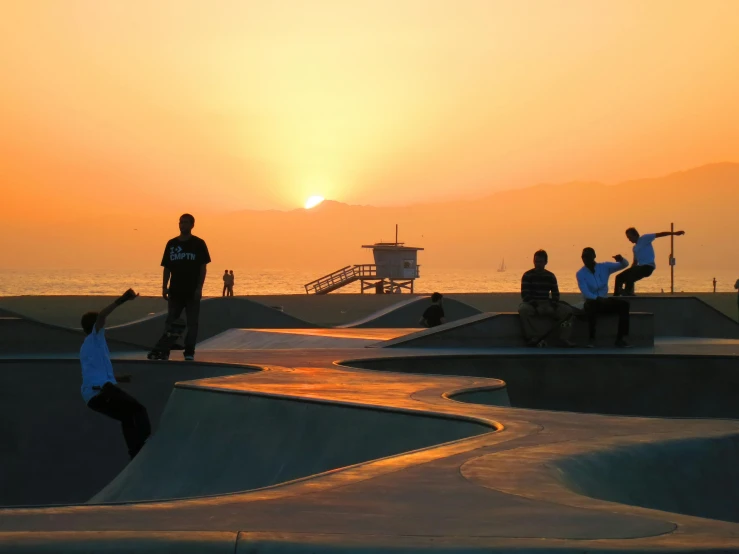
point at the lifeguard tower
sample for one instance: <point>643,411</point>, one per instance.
<point>395,269</point>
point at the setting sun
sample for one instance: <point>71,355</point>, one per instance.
<point>313,201</point>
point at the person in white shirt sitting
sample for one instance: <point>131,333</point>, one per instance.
<point>643,264</point>
<point>593,282</point>
<point>99,389</point>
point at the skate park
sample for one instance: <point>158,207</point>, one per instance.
<point>377,436</point>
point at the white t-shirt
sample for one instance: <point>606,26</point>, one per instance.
<point>644,251</point>
<point>96,366</point>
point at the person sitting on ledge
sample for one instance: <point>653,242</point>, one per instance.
<point>434,314</point>
<point>540,295</point>
<point>643,264</point>
<point>592,279</point>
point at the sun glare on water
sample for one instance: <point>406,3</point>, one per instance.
<point>313,201</point>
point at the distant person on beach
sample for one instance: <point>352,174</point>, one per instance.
<point>736,286</point>
<point>434,314</point>
<point>231,279</point>
<point>540,295</point>
<point>185,262</point>
<point>714,285</point>
<point>99,385</point>
<point>592,279</point>
<point>225,282</point>
<point>643,264</point>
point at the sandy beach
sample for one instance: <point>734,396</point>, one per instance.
<point>324,311</point>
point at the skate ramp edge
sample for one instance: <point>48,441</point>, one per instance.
<point>691,476</point>
<point>407,313</point>
<point>216,316</point>
<point>214,442</point>
<point>496,330</point>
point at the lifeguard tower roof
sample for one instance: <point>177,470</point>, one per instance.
<point>390,246</point>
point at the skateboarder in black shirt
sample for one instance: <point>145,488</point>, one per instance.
<point>184,261</point>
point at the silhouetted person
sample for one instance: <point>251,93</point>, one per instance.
<point>434,314</point>
<point>592,279</point>
<point>714,285</point>
<point>643,264</point>
<point>540,295</point>
<point>225,282</point>
<point>231,280</point>
<point>99,385</point>
<point>185,262</point>
<point>736,286</point>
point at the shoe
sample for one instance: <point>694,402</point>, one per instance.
<point>590,344</point>
<point>621,343</point>
<point>189,357</point>
<point>567,344</point>
<point>542,344</point>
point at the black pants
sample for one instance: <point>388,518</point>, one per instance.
<point>113,402</point>
<point>191,304</point>
<point>628,277</point>
<point>608,306</point>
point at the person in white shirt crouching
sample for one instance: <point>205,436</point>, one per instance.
<point>99,385</point>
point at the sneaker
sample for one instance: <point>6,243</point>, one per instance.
<point>567,344</point>
<point>590,344</point>
<point>621,343</point>
<point>189,357</point>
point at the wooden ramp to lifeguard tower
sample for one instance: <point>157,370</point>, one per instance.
<point>395,269</point>
<point>341,277</point>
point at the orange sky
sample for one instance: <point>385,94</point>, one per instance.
<point>231,104</point>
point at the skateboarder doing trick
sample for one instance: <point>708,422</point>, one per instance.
<point>99,385</point>
<point>540,295</point>
<point>184,261</point>
<point>643,264</point>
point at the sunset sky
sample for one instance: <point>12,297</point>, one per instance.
<point>232,104</point>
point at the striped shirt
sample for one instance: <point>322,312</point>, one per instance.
<point>537,284</point>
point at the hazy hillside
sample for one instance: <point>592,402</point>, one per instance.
<point>469,234</point>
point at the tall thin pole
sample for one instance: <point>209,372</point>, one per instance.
<point>396,234</point>
<point>672,259</point>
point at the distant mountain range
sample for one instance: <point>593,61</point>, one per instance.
<point>561,218</point>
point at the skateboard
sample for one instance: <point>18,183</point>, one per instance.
<point>541,341</point>
<point>168,341</point>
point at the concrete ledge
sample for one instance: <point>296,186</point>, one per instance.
<point>493,330</point>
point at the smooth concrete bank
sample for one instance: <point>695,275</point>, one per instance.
<point>55,450</point>
<point>631,384</point>
<point>694,476</point>
<point>212,442</point>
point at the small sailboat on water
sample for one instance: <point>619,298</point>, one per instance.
<point>501,269</point>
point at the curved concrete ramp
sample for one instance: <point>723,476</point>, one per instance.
<point>493,330</point>
<point>627,384</point>
<point>54,449</point>
<point>216,316</point>
<point>22,336</point>
<point>212,442</point>
<point>406,314</point>
<point>685,316</point>
<point>692,476</point>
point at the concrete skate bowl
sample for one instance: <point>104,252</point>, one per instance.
<point>685,316</point>
<point>212,442</point>
<point>20,336</point>
<point>216,316</point>
<point>55,450</point>
<point>691,476</point>
<point>630,385</point>
<point>406,314</point>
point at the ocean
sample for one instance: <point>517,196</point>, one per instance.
<point>265,281</point>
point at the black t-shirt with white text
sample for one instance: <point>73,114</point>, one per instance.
<point>184,258</point>
<point>433,315</point>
